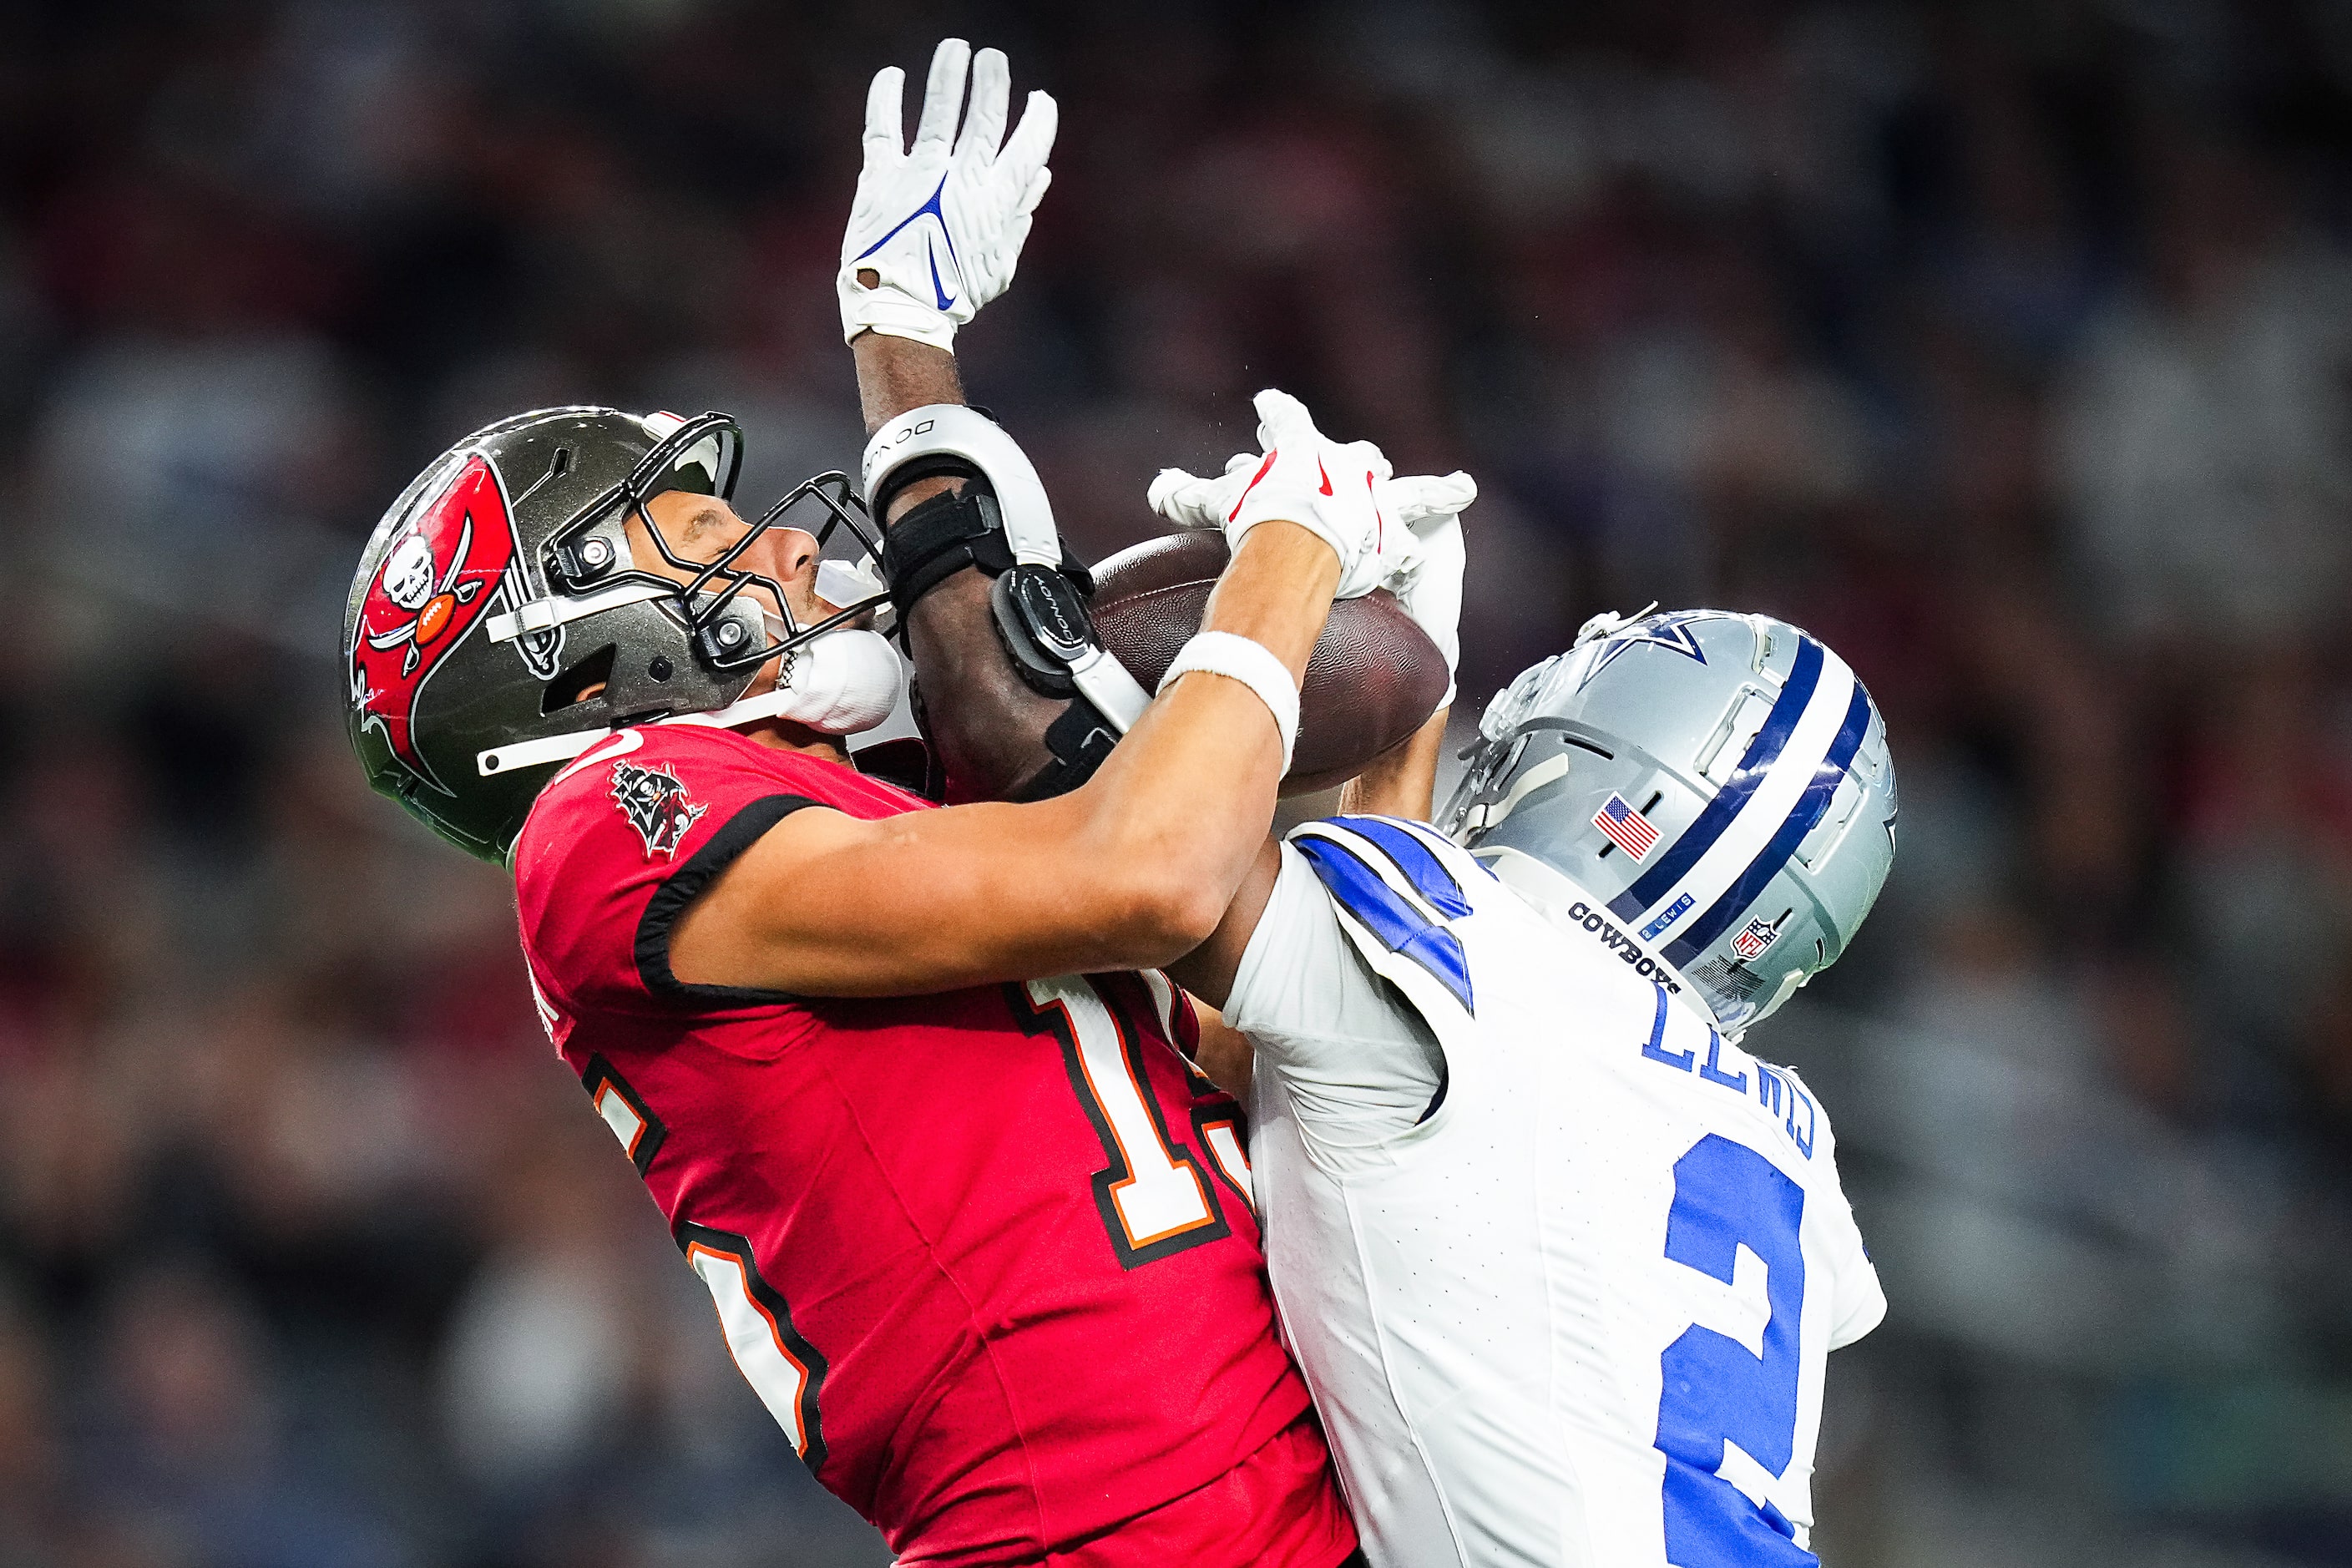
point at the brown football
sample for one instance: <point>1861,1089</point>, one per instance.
<point>1374,679</point>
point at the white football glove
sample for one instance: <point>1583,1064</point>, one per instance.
<point>1430,587</point>
<point>941,224</point>
<point>1336,490</point>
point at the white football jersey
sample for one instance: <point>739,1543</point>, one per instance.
<point>1562,1265</point>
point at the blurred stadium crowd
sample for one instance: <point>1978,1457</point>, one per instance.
<point>2004,346</point>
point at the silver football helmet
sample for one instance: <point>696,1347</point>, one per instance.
<point>1714,788</point>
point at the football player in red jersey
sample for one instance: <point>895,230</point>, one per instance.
<point>983,1244</point>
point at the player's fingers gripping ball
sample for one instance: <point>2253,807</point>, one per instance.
<point>1336,490</point>
<point>1430,588</point>
<point>1188,501</point>
<point>939,224</point>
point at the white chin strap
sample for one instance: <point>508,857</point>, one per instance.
<point>842,683</point>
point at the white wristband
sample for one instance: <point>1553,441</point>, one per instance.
<point>1253,665</point>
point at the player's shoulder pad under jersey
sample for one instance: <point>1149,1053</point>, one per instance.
<point>645,790</point>
<point>1399,887</point>
<point>628,834</point>
<point>663,790</point>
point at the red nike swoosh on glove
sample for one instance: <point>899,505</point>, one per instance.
<point>1262,467</point>
<point>1327,477</point>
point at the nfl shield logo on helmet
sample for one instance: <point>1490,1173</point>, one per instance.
<point>1754,938</point>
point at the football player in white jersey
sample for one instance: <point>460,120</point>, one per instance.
<point>1561,1260</point>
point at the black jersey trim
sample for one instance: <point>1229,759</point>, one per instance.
<point>652,1132</point>
<point>686,884</point>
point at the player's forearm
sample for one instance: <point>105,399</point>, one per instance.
<point>1236,897</point>
<point>1192,788</point>
<point>1127,872</point>
<point>1136,868</point>
<point>1131,870</point>
<point>1401,780</point>
<point>985,724</point>
<point>894,375</point>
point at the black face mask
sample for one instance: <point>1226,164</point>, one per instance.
<point>727,634</point>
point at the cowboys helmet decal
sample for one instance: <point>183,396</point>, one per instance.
<point>442,573</point>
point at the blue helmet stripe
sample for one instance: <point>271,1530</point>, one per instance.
<point>1413,859</point>
<point>1801,820</point>
<point>1388,914</point>
<point>1796,694</point>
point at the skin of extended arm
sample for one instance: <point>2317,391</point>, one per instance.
<point>1129,871</point>
<point>1400,782</point>
<point>894,375</point>
<point>1223,1054</point>
<point>986,723</point>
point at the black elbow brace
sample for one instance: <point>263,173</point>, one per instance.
<point>944,533</point>
<point>1001,522</point>
<point>1039,613</point>
<point>1075,745</point>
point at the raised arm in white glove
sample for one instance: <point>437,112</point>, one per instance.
<point>938,226</point>
<point>1337,490</point>
<point>1430,587</point>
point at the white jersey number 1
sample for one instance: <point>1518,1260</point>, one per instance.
<point>1153,1196</point>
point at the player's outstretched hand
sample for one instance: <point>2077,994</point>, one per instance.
<point>1430,586</point>
<point>938,226</point>
<point>1339,490</point>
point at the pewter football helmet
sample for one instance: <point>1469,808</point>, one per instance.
<point>1715,787</point>
<point>500,587</point>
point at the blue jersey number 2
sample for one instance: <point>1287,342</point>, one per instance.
<point>1728,1195</point>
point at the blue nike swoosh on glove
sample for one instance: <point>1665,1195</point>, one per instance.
<point>932,208</point>
<point>937,288</point>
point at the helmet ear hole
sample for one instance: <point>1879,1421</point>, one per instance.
<point>576,684</point>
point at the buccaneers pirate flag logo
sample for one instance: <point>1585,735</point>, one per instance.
<point>439,576</point>
<point>657,806</point>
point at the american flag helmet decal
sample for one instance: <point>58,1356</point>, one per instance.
<point>1731,758</point>
<point>1626,829</point>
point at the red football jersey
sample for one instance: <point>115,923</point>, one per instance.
<point>988,1255</point>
